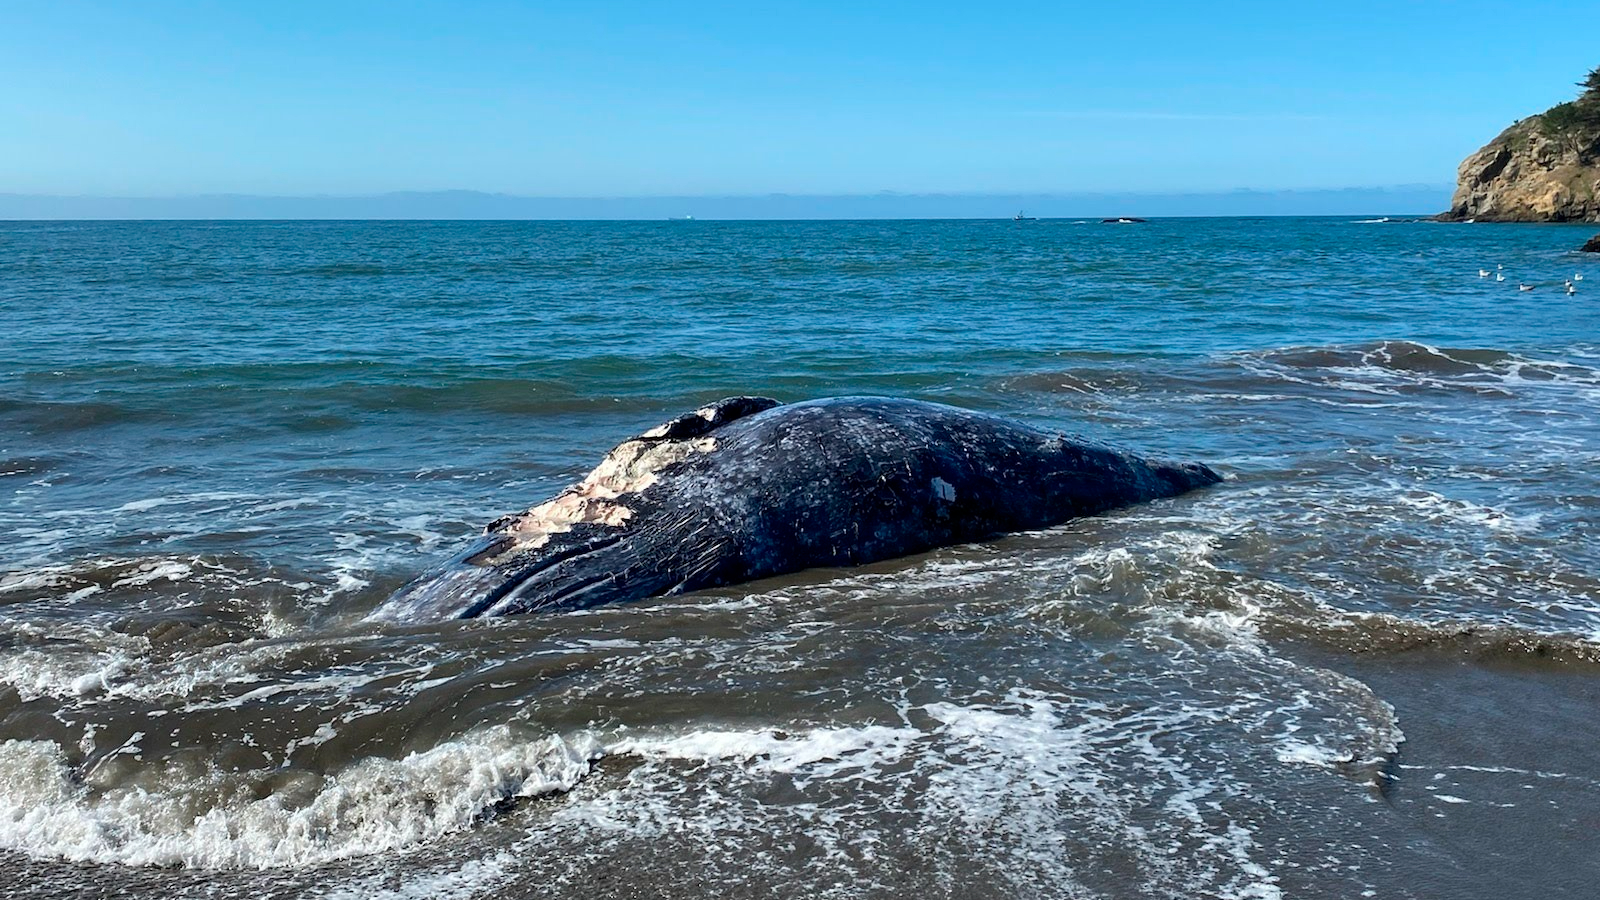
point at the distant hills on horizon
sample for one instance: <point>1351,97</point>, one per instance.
<point>1398,200</point>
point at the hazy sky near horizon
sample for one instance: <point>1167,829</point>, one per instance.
<point>622,98</point>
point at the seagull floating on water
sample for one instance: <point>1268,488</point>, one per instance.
<point>1499,277</point>
<point>1570,289</point>
<point>1483,273</point>
<point>1524,287</point>
<point>1578,277</point>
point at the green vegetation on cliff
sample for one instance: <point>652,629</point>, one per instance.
<point>1574,126</point>
<point>1591,85</point>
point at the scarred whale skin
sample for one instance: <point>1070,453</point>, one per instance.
<point>748,488</point>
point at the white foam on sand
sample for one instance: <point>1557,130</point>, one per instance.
<point>1011,780</point>
<point>830,753</point>
<point>469,879</point>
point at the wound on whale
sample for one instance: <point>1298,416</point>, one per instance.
<point>747,488</point>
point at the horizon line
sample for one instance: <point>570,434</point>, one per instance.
<point>468,205</point>
<point>1404,218</point>
<point>734,195</point>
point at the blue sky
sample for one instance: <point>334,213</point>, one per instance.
<point>616,99</point>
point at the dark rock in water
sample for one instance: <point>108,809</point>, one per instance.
<point>749,488</point>
<point>1593,246</point>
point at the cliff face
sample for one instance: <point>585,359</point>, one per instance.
<point>1528,175</point>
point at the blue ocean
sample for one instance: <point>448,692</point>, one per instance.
<point>1365,665</point>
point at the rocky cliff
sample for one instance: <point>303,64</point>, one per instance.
<point>1532,172</point>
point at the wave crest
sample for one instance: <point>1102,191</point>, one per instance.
<point>191,813</point>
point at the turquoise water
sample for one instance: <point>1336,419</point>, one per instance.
<point>224,442</point>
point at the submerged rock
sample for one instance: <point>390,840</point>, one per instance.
<point>1593,246</point>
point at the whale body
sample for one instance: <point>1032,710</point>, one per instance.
<point>747,488</point>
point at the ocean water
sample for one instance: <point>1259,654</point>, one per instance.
<point>1366,665</point>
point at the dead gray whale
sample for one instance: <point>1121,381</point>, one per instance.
<point>748,488</point>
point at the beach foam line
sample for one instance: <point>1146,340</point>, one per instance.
<point>196,816</point>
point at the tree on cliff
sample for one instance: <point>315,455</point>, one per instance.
<point>1591,87</point>
<point>1571,125</point>
<point>1575,126</point>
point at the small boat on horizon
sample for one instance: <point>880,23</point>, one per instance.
<point>1022,216</point>
<point>1122,220</point>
